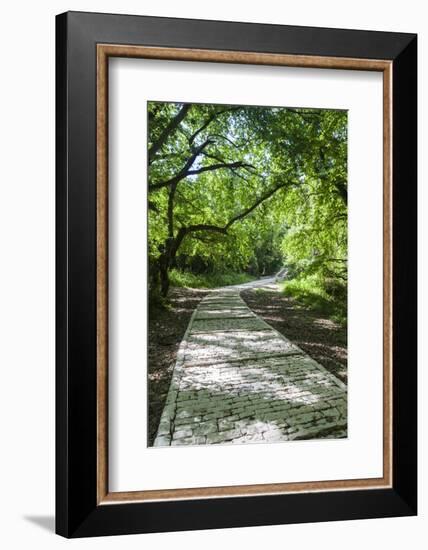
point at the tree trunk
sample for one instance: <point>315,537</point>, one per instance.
<point>164,278</point>
<point>154,280</point>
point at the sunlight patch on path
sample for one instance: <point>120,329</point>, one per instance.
<point>238,380</point>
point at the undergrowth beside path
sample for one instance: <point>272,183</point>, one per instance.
<point>208,280</point>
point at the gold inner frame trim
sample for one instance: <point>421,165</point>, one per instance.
<point>104,51</point>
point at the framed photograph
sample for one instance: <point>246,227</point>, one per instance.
<point>236,274</point>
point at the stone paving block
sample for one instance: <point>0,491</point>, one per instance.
<point>223,313</point>
<point>181,432</point>
<point>228,435</point>
<point>214,438</point>
<point>230,324</point>
<point>208,347</point>
<point>162,441</point>
<point>224,425</point>
<point>182,441</point>
<point>206,428</point>
<point>164,429</point>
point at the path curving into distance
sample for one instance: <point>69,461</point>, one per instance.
<point>238,380</point>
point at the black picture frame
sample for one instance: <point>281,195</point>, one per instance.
<point>77,512</point>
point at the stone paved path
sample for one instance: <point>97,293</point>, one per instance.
<point>238,380</point>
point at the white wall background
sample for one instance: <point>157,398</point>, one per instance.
<point>27,272</point>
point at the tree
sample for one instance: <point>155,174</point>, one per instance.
<point>316,241</point>
<point>219,175</point>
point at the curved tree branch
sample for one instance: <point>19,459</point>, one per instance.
<point>210,167</point>
<point>261,199</point>
<point>169,130</point>
<point>210,119</point>
<point>233,143</point>
<point>185,172</point>
<point>184,231</point>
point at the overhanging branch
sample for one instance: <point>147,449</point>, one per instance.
<point>210,119</point>
<point>261,199</point>
<point>184,231</point>
<point>170,128</point>
<point>185,172</point>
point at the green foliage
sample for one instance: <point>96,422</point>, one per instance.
<point>312,291</point>
<point>315,242</point>
<point>316,239</point>
<point>248,189</point>
<point>210,280</point>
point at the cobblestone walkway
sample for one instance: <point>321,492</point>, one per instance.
<point>237,380</point>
